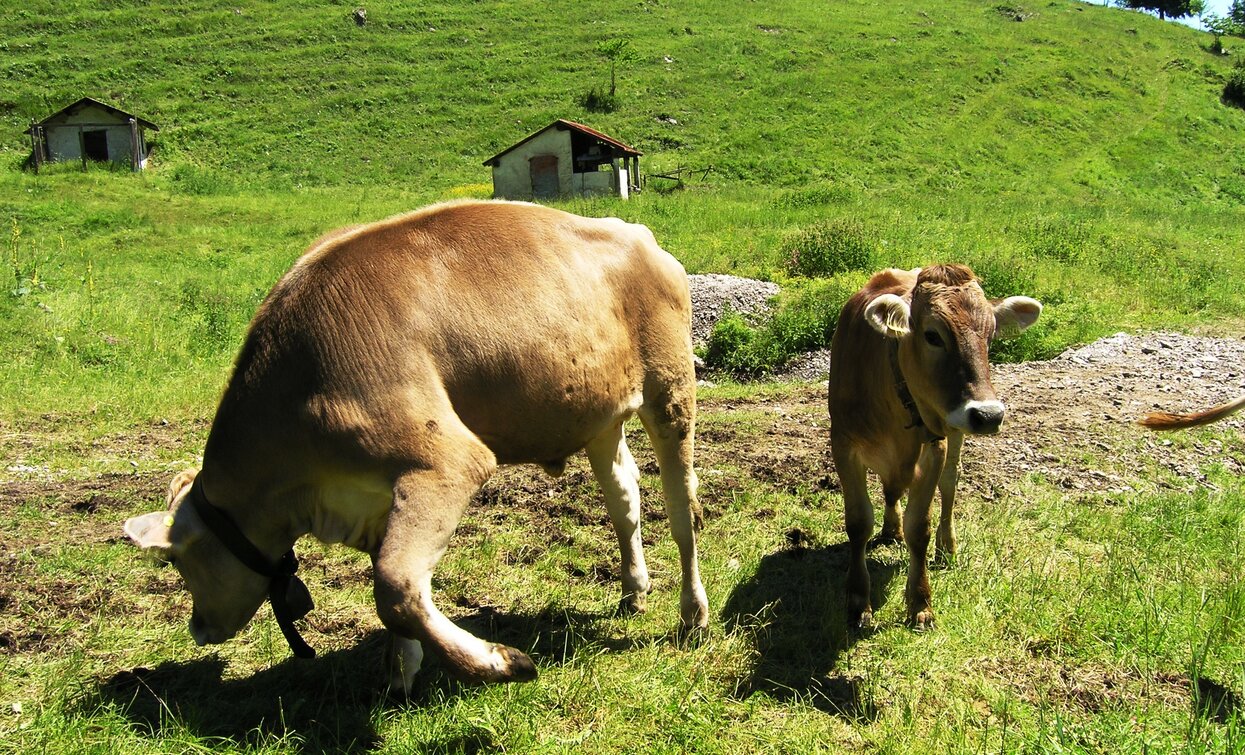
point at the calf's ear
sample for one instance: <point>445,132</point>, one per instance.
<point>1013,314</point>
<point>888,315</point>
<point>151,533</point>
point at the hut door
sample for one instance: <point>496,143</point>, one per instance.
<point>544,176</point>
<point>95,145</point>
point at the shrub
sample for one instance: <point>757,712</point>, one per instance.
<point>1234,89</point>
<point>599,101</point>
<point>804,321</point>
<point>729,339</point>
<point>830,248</point>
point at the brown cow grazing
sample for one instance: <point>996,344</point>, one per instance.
<point>909,376</point>
<point>386,376</point>
<point>1169,421</point>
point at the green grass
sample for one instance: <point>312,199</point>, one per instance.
<point>1106,622</point>
<point>1082,156</point>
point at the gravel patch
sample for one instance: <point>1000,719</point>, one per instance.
<point>712,294</point>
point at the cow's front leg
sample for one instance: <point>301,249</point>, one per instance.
<point>916,527</point>
<point>619,477</point>
<point>427,505</point>
<point>858,520</point>
<point>403,659</point>
<point>944,543</point>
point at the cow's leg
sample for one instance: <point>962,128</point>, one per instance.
<point>944,543</point>
<point>670,423</point>
<point>427,504</point>
<point>403,658</point>
<point>858,520</point>
<point>616,471</point>
<point>892,528</point>
<point>916,527</point>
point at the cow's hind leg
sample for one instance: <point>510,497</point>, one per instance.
<point>427,504</point>
<point>670,421</point>
<point>892,526</point>
<point>616,471</point>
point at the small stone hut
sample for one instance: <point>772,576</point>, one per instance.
<point>91,130</point>
<point>565,159</point>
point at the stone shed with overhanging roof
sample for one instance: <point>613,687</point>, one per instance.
<point>91,130</point>
<point>565,159</point>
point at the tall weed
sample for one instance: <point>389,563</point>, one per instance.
<point>829,248</point>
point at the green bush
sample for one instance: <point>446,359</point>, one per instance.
<point>729,341</point>
<point>829,248</point>
<point>1234,88</point>
<point>805,321</point>
<point>599,101</point>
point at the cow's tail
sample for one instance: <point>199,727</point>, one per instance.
<point>1169,421</point>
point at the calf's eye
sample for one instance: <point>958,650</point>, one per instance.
<point>933,339</point>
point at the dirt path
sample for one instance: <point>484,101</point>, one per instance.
<point>1070,420</point>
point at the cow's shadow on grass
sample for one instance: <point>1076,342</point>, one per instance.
<point>329,704</point>
<point>793,609</point>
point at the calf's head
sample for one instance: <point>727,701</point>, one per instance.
<point>942,331</point>
<point>226,593</point>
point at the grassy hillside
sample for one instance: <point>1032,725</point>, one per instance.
<point>1080,155</point>
<point>1074,102</point>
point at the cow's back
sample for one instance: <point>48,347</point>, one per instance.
<point>523,317</point>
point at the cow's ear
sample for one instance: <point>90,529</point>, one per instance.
<point>180,482</point>
<point>151,533</point>
<point>888,315</point>
<point>1013,314</point>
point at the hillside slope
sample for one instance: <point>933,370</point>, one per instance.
<point>1043,99</point>
<point>1072,152</point>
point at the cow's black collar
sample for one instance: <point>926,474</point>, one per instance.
<point>288,595</point>
<point>905,396</point>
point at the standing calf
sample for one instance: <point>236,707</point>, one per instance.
<point>388,374</point>
<point>909,376</point>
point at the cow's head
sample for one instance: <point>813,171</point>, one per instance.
<point>226,593</point>
<point>943,333</point>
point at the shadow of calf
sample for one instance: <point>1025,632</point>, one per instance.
<point>794,609</point>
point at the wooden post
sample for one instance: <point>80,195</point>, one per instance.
<point>36,148</point>
<point>135,160</point>
<point>82,147</point>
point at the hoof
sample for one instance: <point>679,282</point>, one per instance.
<point>403,658</point>
<point>863,622</point>
<point>632,604</point>
<point>944,559</point>
<point>922,621</point>
<point>505,665</point>
<point>519,665</point>
<point>692,637</point>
